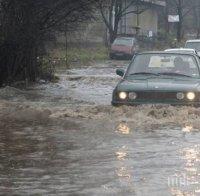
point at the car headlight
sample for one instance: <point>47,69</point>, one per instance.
<point>123,95</point>
<point>191,96</point>
<point>132,95</point>
<point>180,96</point>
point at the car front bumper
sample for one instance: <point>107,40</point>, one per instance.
<point>155,97</point>
<point>121,55</point>
<point>166,102</point>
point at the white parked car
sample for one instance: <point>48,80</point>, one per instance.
<point>194,44</point>
<point>182,50</point>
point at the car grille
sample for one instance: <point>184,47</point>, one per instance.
<point>156,95</point>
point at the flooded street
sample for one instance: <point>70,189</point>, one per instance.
<point>65,138</point>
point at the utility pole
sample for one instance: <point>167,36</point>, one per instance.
<point>113,18</point>
<point>137,20</point>
<point>197,16</point>
<point>125,20</point>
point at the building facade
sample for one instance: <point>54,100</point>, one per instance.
<point>141,19</point>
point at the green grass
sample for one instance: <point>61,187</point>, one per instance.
<point>82,55</point>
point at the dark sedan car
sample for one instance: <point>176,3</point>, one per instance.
<point>124,47</point>
<point>159,77</point>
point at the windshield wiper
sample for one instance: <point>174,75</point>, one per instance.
<point>174,74</point>
<point>144,73</point>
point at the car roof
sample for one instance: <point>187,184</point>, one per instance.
<point>181,49</point>
<point>168,52</point>
<point>194,40</point>
<point>184,50</point>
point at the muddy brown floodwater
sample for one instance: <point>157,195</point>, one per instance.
<point>66,139</point>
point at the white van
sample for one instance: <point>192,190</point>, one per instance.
<point>194,44</point>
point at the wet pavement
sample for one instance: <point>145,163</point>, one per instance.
<point>66,139</point>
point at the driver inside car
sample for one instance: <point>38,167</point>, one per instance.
<point>181,66</point>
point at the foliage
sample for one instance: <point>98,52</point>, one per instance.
<point>184,9</point>
<point>26,25</point>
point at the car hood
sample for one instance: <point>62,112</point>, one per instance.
<point>159,84</point>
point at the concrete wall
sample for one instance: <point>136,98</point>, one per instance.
<point>148,21</point>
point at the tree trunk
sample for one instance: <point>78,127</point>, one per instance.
<point>166,17</point>
<point>198,33</point>
<point>113,36</point>
<point>179,32</point>
<point>180,23</point>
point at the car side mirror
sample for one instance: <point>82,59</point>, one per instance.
<point>120,72</point>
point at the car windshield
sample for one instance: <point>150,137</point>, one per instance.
<point>193,45</point>
<point>125,42</point>
<point>164,64</point>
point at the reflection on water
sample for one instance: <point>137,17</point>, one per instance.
<point>91,159</point>
<point>124,171</point>
<point>121,155</point>
<point>187,129</point>
<point>188,181</point>
<point>192,156</point>
<point>123,128</point>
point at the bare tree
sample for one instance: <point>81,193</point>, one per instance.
<point>112,12</point>
<point>196,17</point>
<point>26,25</point>
<point>181,8</point>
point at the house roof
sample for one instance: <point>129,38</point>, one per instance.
<point>156,2</point>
